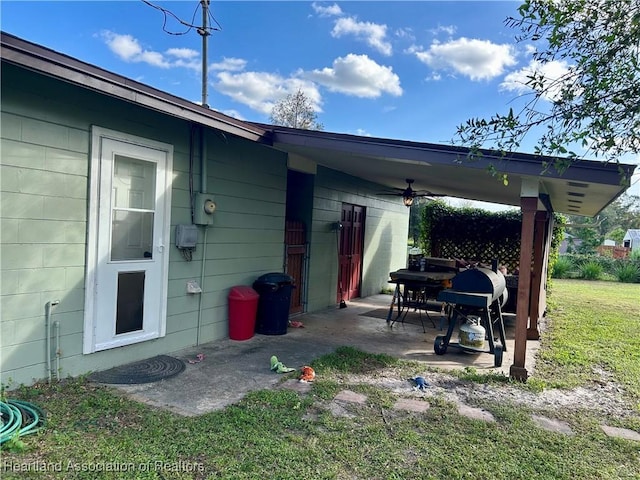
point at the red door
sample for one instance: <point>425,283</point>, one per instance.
<point>296,245</point>
<point>350,245</point>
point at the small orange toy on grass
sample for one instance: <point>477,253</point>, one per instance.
<point>308,374</point>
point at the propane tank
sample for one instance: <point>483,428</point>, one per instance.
<point>472,334</point>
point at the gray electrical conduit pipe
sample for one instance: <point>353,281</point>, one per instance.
<point>56,328</point>
<point>203,189</point>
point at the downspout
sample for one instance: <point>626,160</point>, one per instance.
<point>47,325</point>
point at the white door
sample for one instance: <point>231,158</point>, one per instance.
<point>128,237</point>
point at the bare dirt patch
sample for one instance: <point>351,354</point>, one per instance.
<point>603,398</point>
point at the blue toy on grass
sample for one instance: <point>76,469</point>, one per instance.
<point>420,383</point>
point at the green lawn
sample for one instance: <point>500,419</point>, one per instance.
<point>594,325</point>
<point>280,434</point>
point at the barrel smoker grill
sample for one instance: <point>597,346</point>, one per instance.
<point>480,292</point>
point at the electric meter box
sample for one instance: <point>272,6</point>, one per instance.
<point>204,206</point>
<point>186,236</point>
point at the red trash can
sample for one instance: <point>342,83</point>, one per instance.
<point>243,305</point>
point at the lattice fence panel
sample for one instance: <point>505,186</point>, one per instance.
<point>472,234</point>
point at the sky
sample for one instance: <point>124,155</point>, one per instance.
<point>403,70</point>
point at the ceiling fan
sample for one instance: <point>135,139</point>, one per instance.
<point>409,194</point>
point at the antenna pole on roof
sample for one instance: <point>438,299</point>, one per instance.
<point>204,32</point>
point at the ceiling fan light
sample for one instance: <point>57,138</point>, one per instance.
<point>408,201</point>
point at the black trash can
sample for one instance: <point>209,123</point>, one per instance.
<point>274,289</point>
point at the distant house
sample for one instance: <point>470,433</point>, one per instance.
<point>569,243</point>
<point>631,239</point>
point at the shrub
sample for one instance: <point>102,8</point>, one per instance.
<point>562,267</point>
<point>599,267</point>
<point>591,270</point>
<point>607,263</point>
<point>627,273</point>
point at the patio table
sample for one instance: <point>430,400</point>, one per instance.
<point>412,290</point>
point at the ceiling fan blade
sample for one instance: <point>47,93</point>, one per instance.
<point>410,192</point>
<point>424,193</point>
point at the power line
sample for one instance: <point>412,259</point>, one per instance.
<point>204,30</point>
<point>190,25</point>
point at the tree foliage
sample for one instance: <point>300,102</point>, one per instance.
<point>415,216</point>
<point>295,111</point>
<point>594,106</point>
<point>612,223</point>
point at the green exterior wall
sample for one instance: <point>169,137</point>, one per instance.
<point>385,236</point>
<point>45,145</point>
<point>44,173</point>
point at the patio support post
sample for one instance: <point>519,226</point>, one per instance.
<point>529,206</point>
<point>538,274</point>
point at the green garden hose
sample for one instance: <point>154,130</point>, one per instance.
<point>18,417</point>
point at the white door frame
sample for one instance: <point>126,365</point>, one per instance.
<point>93,314</point>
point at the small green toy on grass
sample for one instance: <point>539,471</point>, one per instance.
<point>279,367</point>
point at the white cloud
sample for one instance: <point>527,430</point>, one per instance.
<point>405,34</point>
<point>186,58</point>
<point>476,59</point>
<point>184,53</point>
<point>448,29</point>
<point>551,71</point>
<point>362,133</point>
<point>261,91</point>
<point>229,64</point>
<point>128,48</point>
<point>153,58</point>
<point>331,11</point>
<point>371,33</point>
<point>124,46</point>
<point>357,75</point>
<point>352,75</point>
<point>194,64</point>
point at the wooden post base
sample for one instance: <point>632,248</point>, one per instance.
<point>518,373</point>
<point>533,334</point>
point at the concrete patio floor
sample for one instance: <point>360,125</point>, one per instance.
<point>231,369</point>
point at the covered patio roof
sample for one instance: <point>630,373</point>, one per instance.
<point>583,189</point>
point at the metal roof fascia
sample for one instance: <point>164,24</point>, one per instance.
<point>521,164</point>
<point>68,69</point>
<point>380,148</point>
